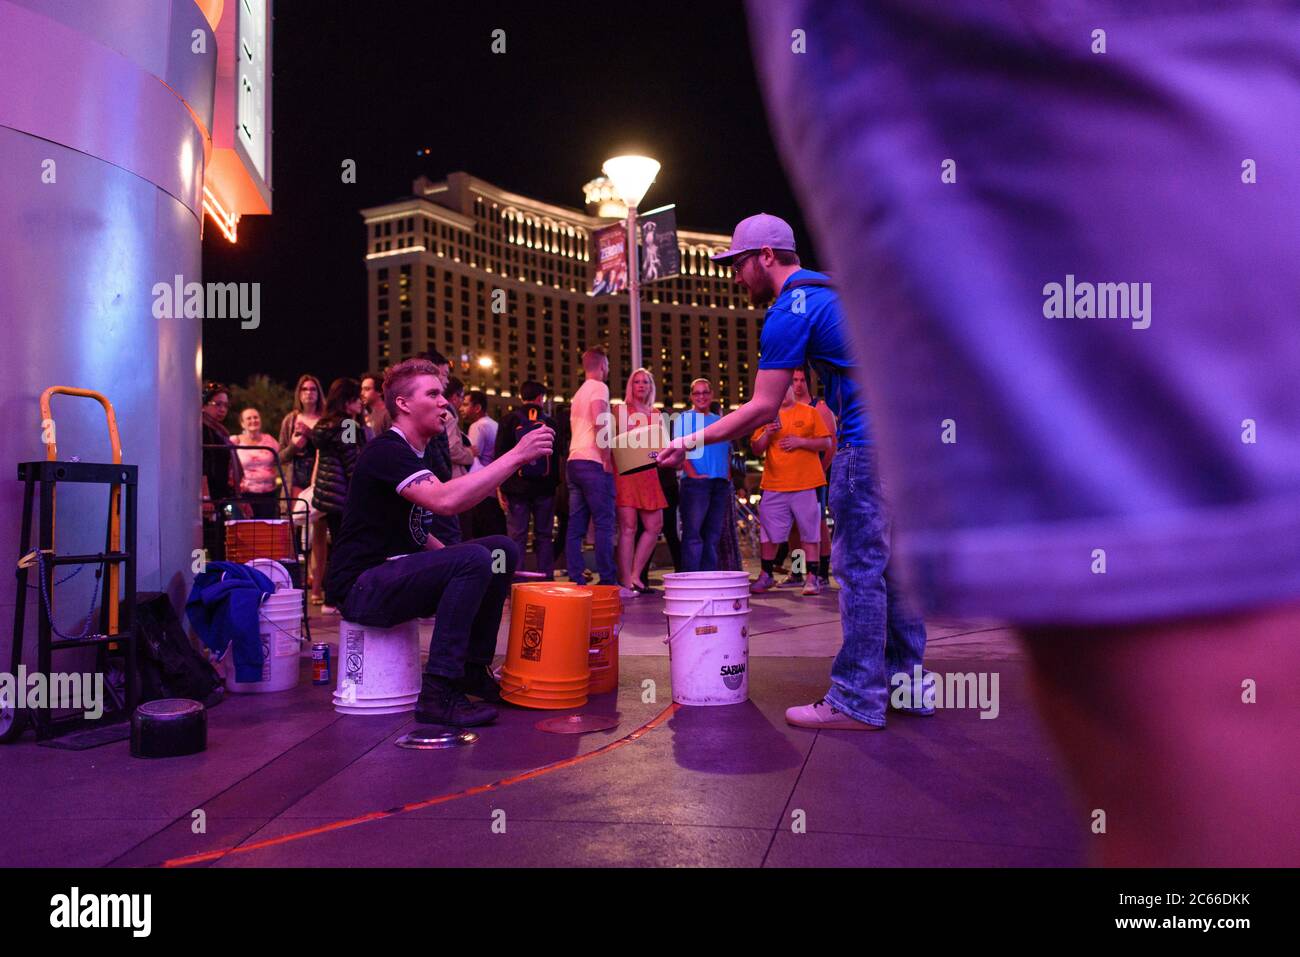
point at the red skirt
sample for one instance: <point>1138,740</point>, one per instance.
<point>639,490</point>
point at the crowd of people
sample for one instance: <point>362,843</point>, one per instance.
<point>563,504</point>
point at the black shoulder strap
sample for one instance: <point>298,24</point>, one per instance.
<point>825,283</point>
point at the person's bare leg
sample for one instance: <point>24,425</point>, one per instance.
<point>653,519</point>
<point>316,562</point>
<point>1152,720</point>
<point>626,538</point>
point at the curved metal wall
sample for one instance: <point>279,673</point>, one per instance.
<point>116,97</point>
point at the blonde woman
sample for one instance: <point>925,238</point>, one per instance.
<point>298,453</point>
<point>638,496</point>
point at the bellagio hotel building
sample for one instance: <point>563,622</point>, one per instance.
<point>440,260</point>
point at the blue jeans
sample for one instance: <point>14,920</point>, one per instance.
<point>463,585</point>
<point>703,506</point>
<point>591,495</point>
<point>882,635</point>
<point>542,512</point>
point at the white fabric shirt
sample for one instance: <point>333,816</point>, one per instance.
<point>582,421</point>
<point>483,436</point>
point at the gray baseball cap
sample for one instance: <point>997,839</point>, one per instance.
<point>758,231</point>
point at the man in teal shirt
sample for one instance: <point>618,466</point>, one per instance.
<point>706,483</point>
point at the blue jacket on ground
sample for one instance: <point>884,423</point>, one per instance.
<point>223,608</point>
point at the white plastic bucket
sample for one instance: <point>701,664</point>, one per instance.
<point>281,634</point>
<point>685,591</point>
<point>273,570</point>
<point>726,584</point>
<point>708,636</point>
<point>379,668</point>
<point>284,598</point>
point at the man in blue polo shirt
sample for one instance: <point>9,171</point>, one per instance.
<point>882,637</point>
<point>705,485</point>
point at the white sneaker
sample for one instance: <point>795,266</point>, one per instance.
<point>824,716</point>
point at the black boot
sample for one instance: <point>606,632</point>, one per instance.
<point>441,703</point>
<point>478,681</point>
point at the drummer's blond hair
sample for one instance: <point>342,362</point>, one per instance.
<point>398,380</point>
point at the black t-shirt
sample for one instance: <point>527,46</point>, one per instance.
<point>378,523</point>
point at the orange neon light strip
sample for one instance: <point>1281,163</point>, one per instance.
<point>228,223</point>
<point>649,726</point>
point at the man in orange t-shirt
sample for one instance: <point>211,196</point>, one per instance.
<point>792,472</point>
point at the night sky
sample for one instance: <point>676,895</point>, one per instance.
<point>377,82</point>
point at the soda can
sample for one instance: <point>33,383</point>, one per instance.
<point>320,663</point>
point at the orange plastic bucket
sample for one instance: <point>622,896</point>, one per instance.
<point>606,610</point>
<point>546,658</point>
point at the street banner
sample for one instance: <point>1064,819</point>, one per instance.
<point>660,256</point>
<point>610,243</point>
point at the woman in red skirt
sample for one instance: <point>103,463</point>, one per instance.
<point>638,495</point>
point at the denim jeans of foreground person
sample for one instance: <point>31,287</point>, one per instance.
<point>591,495</point>
<point>703,505</point>
<point>542,512</point>
<point>457,584</point>
<point>882,636</point>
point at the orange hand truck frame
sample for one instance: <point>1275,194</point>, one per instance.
<point>115,492</point>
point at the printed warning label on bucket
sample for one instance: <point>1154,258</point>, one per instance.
<point>707,630</point>
<point>354,655</point>
<point>534,621</point>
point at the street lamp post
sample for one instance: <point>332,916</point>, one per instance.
<point>633,288</point>
<point>632,176</point>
